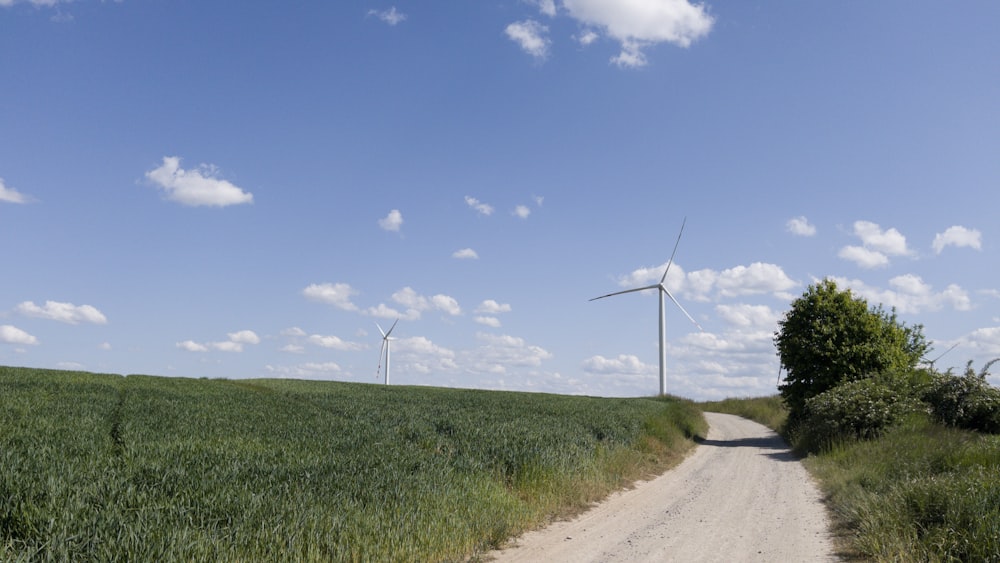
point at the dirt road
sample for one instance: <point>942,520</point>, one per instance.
<point>741,496</point>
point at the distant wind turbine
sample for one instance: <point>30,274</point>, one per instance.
<point>385,350</point>
<point>662,290</point>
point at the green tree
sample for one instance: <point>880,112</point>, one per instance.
<point>830,336</point>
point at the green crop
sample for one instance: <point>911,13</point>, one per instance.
<point>104,467</point>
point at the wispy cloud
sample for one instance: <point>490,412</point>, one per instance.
<point>10,195</point>
<point>480,207</point>
<point>392,16</point>
<point>63,312</point>
<point>522,211</point>
<point>465,254</point>
<point>198,187</point>
<point>531,37</point>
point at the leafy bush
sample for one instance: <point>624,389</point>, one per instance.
<point>967,401</point>
<point>830,336</point>
<point>855,410</point>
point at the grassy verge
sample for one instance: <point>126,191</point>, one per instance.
<point>103,467</point>
<point>919,492</point>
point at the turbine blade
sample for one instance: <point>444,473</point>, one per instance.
<point>690,318</point>
<point>664,278</point>
<point>390,329</point>
<point>626,291</point>
<point>380,329</point>
<point>381,354</point>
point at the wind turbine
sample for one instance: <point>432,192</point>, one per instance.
<point>662,290</point>
<point>385,350</point>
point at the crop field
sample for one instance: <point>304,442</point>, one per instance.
<point>104,467</point>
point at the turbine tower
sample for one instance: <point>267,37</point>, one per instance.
<point>661,289</point>
<point>385,350</point>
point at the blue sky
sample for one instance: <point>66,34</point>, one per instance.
<point>193,189</point>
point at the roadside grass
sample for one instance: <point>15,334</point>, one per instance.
<point>104,467</point>
<point>919,492</point>
<point>769,411</point>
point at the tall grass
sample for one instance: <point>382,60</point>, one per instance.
<point>769,411</point>
<point>103,467</point>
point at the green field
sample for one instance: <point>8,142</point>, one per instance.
<point>104,467</point>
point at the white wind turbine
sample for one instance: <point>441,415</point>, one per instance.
<point>662,290</point>
<point>385,350</point>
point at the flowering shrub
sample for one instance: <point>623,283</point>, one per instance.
<point>967,401</point>
<point>855,410</point>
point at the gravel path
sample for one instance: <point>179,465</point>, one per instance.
<point>741,496</point>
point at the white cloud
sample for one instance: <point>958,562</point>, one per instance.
<point>391,222</point>
<point>13,335</point>
<point>244,337</point>
<point>465,254</point>
<point>10,195</point>
<point>759,278</point>
<point>877,245</point>
<point>748,316</point>
<point>480,207</point>
<point>985,339</point>
<point>294,332</point>
<point>192,346</point>
<point>547,7</point>
<point>196,187</point>
<point>420,355</point>
<point>958,236</point>
<point>390,16</point>
<point>491,307</point>
<point>637,24</point>
<point>864,257</point>
<point>910,294</point>
<point>447,304</point>
<point>309,370</point>
<point>522,211</point>
<point>383,311</point>
<point>498,352</point>
<point>489,321</point>
<point>105,346</point>
<point>234,344</point>
<point>63,312</point>
<point>530,35</point>
<point>336,294</point>
<point>587,37</point>
<point>623,364</point>
<point>408,297</point>
<point>333,342</point>
<point>800,226</point>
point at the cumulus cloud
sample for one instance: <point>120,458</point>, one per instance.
<point>234,344</point>
<point>800,226</point>
<point>910,294</point>
<point>13,335</point>
<point>522,211</point>
<point>196,187</point>
<point>499,351</point>
<point>759,278</point>
<point>489,321</point>
<point>877,245</point>
<point>336,294</point>
<point>63,312</point>
<point>491,307</point>
<point>623,364</point>
<point>547,7</point>
<point>447,304</point>
<point>531,37</point>
<point>638,24</point>
<point>333,342</point>
<point>391,16</point>
<point>480,207</point>
<point>465,254</point>
<point>391,222</point>
<point>10,195</point>
<point>864,257</point>
<point>958,236</point>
